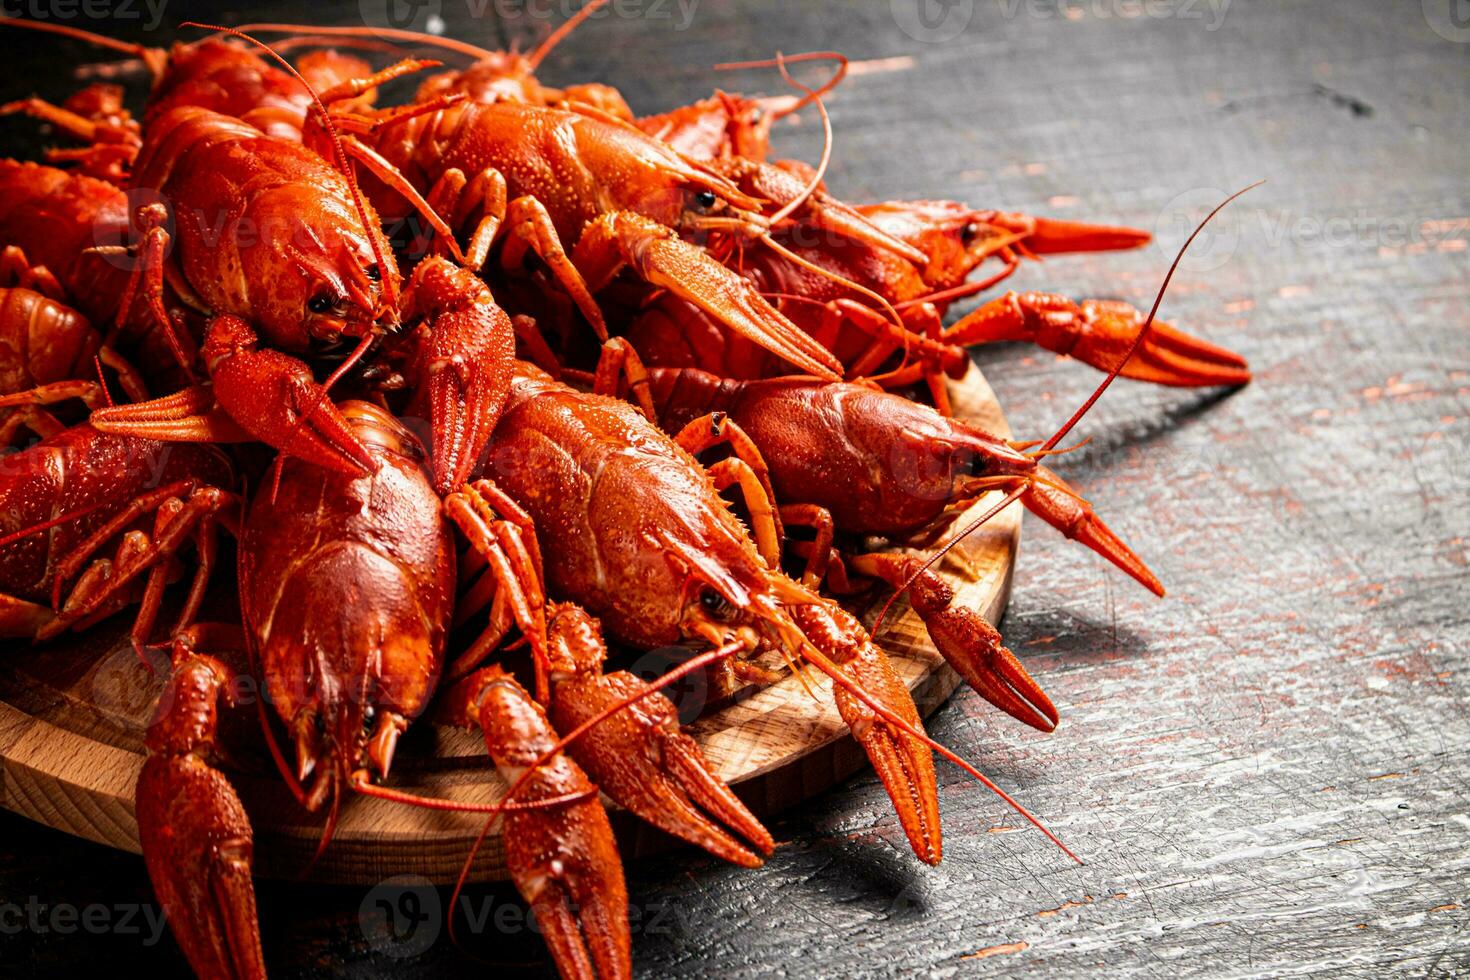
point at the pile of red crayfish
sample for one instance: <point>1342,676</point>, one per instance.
<point>532,370</point>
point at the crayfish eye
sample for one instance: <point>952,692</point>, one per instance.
<point>715,604</point>
<point>968,233</point>
<point>373,274</point>
<point>321,303</point>
<point>706,200</point>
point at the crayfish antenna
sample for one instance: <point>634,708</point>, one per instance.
<point>812,95</point>
<point>538,55</point>
<point>154,59</point>
<point>390,33</point>
<point>1081,412</point>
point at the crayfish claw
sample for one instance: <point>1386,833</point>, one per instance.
<point>1075,518</point>
<point>666,261</point>
<point>637,754</point>
<point>196,837</point>
<point>967,641</point>
<point>1167,356</point>
<point>1050,236</point>
<point>904,764</point>
<point>559,846</point>
<point>463,366</point>
<point>1101,333</point>
<point>641,759</point>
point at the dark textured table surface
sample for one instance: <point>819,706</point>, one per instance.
<point>1266,772</point>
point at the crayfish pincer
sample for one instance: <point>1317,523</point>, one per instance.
<point>347,590</point>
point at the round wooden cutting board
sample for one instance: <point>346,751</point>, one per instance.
<point>73,715</point>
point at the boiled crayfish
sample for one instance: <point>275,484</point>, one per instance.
<point>466,510</point>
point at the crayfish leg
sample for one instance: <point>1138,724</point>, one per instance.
<point>197,840</point>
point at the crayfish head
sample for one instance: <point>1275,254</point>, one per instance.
<point>757,617</point>
<point>318,274</point>
<point>348,663</point>
<point>956,237</point>
<point>641,174</point>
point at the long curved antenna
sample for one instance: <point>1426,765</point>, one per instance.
<point>826,158</point>
<point>153,58</point>
<point>1077,416</point>
<point>812,95</point>
<point>1147,324</point>
<point>543,49</point>
<point>394,33</point>
<point>321,41</point>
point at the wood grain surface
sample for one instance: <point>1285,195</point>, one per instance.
<point>1266,772</point>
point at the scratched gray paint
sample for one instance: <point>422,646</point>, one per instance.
<point>1266,773</point>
